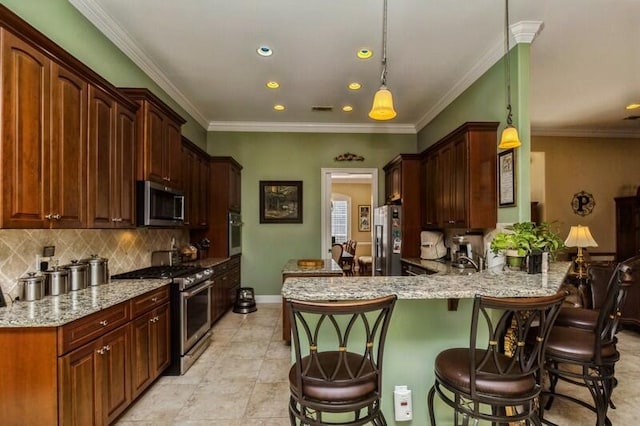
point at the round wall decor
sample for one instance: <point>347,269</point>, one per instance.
<point>583,203</point>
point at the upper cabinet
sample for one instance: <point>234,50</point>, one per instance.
<point>225,175</point>
<point>68,137</point>
<point>459,178</point>
<point>195,177</point>
<point>159,139</point>
<point>402,186</point>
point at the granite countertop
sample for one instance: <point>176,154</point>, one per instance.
<point>329,267</point>
<point>54,311</point>
<point>490,282</point>
<point>440,267</point>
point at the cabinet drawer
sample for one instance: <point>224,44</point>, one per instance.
<point>148,301</point>
<point>233,262</point>
<point>79,332</point>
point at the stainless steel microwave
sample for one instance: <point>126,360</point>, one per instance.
<point>158,205</point>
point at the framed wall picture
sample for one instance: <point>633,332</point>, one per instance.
<point>280,201</point>
<point>364,218</point>
<point>506,178</point>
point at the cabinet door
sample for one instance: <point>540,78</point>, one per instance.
<point>116,388</point>
<point>235,185</point>
<point>445,200</point>
<point>101,146</point>
<point>173,141</point>
<point>430,181</point>
<point>141,371</point>
<point>68,160</point>
<point>187,162</point>
<point>203,192</point>
<point>78,386</point>
<point>25,133</point>
<point>160,340</point>
<point>123,176</point>
<point>155,140</point>
<point>459,186</point>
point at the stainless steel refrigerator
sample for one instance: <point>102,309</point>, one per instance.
<point>387,240</point>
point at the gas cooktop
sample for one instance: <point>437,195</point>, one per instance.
<point>174,271</point>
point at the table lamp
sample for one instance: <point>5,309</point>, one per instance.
<point>580,236</point>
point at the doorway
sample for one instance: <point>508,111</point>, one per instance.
<point>353,190</point>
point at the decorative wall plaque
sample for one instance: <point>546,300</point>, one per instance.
<point>583,203</point>
<point>347,156</point>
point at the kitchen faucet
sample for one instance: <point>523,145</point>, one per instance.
<point>470,260</point>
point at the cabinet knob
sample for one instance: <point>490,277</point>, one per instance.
<point>107,348</point>
<point>104,323</point>
<point>154,299</point>
<point>48,216</point>
<point>101,351</point>
<point>57,216</point>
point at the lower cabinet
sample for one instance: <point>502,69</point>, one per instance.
<point>150,349</point>
<point>94,380</point>
<point>86,372</point>
<point>226,282</point>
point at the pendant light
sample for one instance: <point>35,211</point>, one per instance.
<point>509,137</point>
<point>382,108</point>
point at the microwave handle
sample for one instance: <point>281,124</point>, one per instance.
<point>179,202</point>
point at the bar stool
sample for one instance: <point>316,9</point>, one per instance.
<point>482,382</point>
<point>338,361</point>
<point>593,351</point>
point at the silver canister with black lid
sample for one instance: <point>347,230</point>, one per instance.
<point>78,275</point>
<point>57,281</point>
<point>32,287</point>
<point>98,270</point>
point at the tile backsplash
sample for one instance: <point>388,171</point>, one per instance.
<point>126,249</point>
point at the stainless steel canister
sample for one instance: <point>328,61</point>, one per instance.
<point>98,270</point>
<point>32,287</point>
<point>78,275</point>
<point>57,281</point>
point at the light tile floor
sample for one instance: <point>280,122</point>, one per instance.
<point>241,380</point>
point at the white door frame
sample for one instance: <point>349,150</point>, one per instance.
<point>325,203</point>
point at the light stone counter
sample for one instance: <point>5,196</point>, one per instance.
<point>54,311</point>
<point>443,285</point>
<point>329,267</point>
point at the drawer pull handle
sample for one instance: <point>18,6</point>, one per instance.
<point>104,323</point>
<point>154,299</point>
<point>107,348</point>
<point>101,351</point>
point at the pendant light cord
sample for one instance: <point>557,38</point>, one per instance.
<point>383,77</point>
<point>507,61</point>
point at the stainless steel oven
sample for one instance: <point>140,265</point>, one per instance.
<point>235,233</point>
<point>195,315</point>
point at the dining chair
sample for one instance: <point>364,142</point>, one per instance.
<point>337,375</point>
<point>336,253</point>
<point>482,382</point>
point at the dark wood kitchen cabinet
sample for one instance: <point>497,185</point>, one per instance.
<point>150,351</point>
<point>627,227</point>
<point>402,186</point>
<point>226,282</point>
<point>459,178</point>
<point>44,142</point>
<point>112,137</point>
<point>195,177</point>
<point>159,139</point>
<point>95,380</point>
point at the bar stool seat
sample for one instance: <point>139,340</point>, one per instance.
<point>577,317</point>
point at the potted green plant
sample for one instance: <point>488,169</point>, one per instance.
<point>524,238</point>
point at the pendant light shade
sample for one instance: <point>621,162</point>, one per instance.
<point>382,108</point>
<point>509,138</point>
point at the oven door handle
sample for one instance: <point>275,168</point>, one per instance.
<point>198,289</point>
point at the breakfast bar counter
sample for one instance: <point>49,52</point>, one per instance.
<point>421,325</point>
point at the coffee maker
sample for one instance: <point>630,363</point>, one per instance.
<point>460,250</point>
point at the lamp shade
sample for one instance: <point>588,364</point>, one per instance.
<point>382,108</point>
<point>509,138</point>
<point>580,236</point>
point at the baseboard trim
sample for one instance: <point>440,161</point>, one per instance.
<point>269,298</point>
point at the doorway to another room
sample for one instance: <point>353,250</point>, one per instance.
<point>348,198</point>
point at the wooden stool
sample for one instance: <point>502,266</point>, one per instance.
<point>364,263</point>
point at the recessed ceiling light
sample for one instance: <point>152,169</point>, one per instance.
<point>272,84</point>
<point>365,53</point>
<point>264,51</point>
<point>633,106</point>
<point>347,108</point>
<point>355,85</point>
<point>278,107</point>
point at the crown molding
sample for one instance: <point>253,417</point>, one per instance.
<point>586,133</point>
<point>526,31</point>
<point>118,36</point>
<point>522,32</point>
<point>255,126</point>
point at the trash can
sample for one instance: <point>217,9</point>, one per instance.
<point>245,301</point>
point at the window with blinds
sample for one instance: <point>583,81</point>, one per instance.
<point>339,221</point>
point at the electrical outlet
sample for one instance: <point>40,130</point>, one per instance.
<point>402,404</point>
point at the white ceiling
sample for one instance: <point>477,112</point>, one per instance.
<point>585,61</point>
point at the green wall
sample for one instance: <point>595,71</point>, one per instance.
<point>294,156</point>
<point>484,100</point>
<point>63,24</point>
